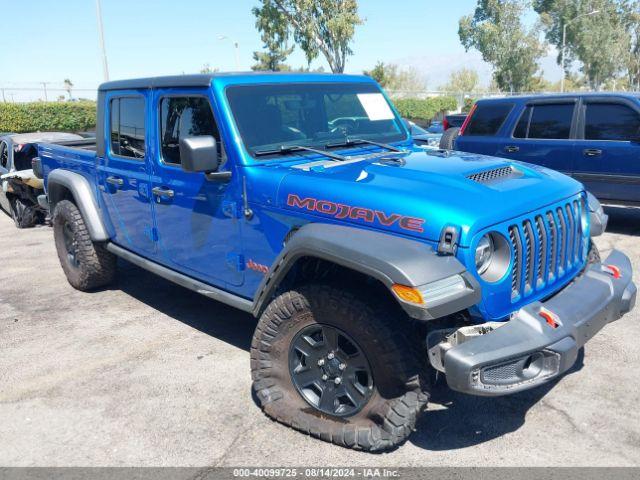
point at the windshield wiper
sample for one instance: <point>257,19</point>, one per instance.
<point>284,149</point>
<point>359,141</point>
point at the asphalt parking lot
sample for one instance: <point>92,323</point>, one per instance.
<point>149,374</point>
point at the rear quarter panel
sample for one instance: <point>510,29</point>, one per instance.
<point>76,160</point>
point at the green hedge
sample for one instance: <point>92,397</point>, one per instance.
<point>424,110</point>
<point>47,116</point>
<point>78,116</point>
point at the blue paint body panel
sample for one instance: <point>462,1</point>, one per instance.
<point>203,233</point>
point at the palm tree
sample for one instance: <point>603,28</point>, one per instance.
<point>68,85</point>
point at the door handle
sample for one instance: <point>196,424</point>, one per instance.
<point>592,152</point>
<point>511,149</point>
<point>115,181</point>
<point>162,192</point>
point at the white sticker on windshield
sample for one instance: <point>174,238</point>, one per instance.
<point>375,106</point>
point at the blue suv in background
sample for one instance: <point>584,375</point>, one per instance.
<point>593,137</point>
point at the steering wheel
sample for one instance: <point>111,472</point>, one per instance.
<point>347,126</point>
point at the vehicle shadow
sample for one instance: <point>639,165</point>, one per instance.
<point>624,220</point>
<point>455,420</point>
<point>216,319</point>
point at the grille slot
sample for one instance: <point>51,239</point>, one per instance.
<point>571,237</point>
<point>529,256</point>
<point>490,175</point>
<point>545,247</point>
<point>516,245</point>
<point>542,250</point>
<point>562,244</point>
<point>553,232</point>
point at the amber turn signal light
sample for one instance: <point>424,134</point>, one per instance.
<point>408,294</point>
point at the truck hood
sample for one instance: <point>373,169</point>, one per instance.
<point>421,192</point>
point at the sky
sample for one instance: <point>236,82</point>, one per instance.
<point>48,41</point>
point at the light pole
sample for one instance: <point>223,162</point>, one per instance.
<point>235,45</point>
<point>103,51</point>
<point>564,43</point>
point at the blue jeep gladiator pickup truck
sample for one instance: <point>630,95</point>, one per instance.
<point>594,137</point>
<point>369,262</point>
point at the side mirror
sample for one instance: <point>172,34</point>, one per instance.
<point>199,154</point>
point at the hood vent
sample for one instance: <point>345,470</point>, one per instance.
<point>489,176</point>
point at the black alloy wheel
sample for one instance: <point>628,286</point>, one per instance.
<point>71,245</point>
<point>330,371</point>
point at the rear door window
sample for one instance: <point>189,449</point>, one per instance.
<point>611,121</point>
<point>127,127</point>
<point>488,118</point>
<point>522,128</point>
<point>546,121</point>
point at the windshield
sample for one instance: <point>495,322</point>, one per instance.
<point>311,114</point>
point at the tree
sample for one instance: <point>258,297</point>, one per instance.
<point>572,83</point>
<point>381,73</point>
<point>392,77</point>
<point>275,38</point>
<point>68,85</point>
<point>461,81</point>
<point>206,68</point>
<point>317,26</point>
<point>495,30</point>
<point>600,41</point>
<point>632,9</point>
<point>407,80</point>
<point>271,60</point>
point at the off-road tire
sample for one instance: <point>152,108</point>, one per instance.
<point>594,254</point>
<point>398,364</point>
<point>24,215</point>
<point>447,141</point>
<point>96,267</point>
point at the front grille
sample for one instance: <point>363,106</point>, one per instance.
<point>545,247</point>
<point>490,175</point>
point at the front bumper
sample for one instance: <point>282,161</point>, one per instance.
<point>531,349</point>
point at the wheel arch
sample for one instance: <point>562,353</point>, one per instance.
<point>384,258</point>
<point>67,185</point>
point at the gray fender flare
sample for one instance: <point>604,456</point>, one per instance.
<point>388,258</point>
<point>60,180</point>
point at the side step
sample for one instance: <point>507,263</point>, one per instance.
<point>182,280</point>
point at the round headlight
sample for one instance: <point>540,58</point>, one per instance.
<point>493,256</point>
<point>484,254</point>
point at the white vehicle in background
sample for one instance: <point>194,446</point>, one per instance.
<point>20,187</point>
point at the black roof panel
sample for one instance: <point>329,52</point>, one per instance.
<point>192,80</point>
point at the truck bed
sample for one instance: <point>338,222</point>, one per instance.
<point>78,156</point>
<point>85,144</point>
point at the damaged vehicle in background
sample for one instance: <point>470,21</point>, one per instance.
<point>20,187</point>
